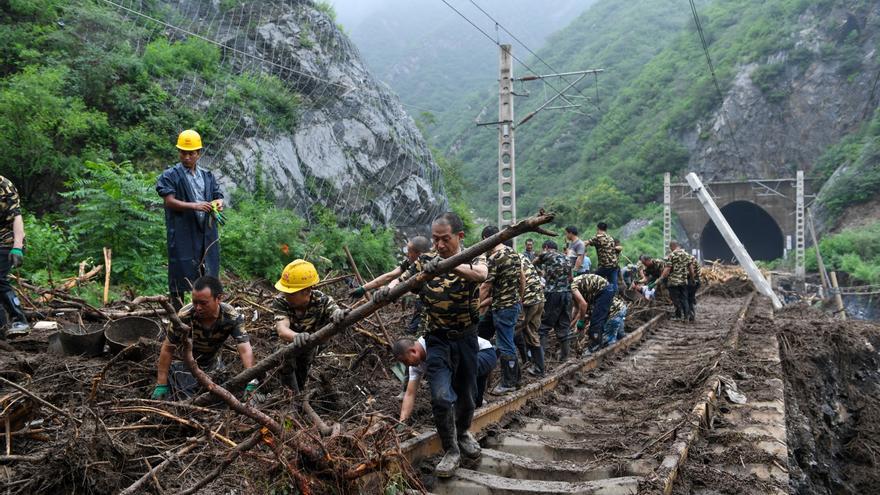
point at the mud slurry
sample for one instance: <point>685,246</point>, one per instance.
<point>606,430</point>
<point>832,385</point>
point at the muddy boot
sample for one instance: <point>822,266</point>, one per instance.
<point>468,445</point>
<point>452,457</point>
<point>564,349</point>
<point>537,368</point>
<point>506,386</point>
<point>18,324</point>
<point>516,375</point>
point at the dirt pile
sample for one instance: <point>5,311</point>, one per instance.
<point>832,385</point>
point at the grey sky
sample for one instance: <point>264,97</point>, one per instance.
<point>351,12</point>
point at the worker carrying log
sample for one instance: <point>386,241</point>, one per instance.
<point>608,254</point>
<point>213,322</point>
<point>298,311</point>
<point>11,256</point>
<point>414,354</point>
<point>503,292</point>
<point>593,296</point>
<point>679,269</point>
<point>416,247</point>
<point>451,302</point>
<point>193,203</point>
<point>557,299</point>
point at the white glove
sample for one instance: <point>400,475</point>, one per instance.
<point>300,339</point>
<point>381,295</point>
<point>337,315</point>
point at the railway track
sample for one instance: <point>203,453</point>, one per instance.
<point>618,423</point>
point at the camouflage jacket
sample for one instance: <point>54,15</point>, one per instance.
<point>207,341</point>
<point>505,270</point>
<point>679,260</point>
<point>450,302</point>
<point>617,305</point>
<point>10,207</point>
<point>590,285</point>
<point>698,270</point>
<point>557,271</point>
<point>605,250</point>
<point>656,269</point>
<point>534,287</point>
<point>316,315</point>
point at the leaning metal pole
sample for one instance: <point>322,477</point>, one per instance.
<point>745,260</point>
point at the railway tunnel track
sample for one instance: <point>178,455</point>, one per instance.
<point>620,422</point>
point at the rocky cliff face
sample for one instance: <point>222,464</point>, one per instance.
<point>353,150</point>
<point>780,116</point>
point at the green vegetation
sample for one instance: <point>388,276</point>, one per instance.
<point>856,159</point>
<point>855,251</point>
<point>89,110</point>
<point>656,89</point>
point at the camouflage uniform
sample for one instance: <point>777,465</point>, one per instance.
<point>533,306</point>
<point>599,294</point>
<point>451,308</point>
<point>295,370</point>
<point>10,208</point>
<point>653,272</point>
<point>206,345</point>
<point>694,284</point>
<point>614,327</point>
<point>608,256</point>
<point>557,303</point>
<point>677,281</point>
<point>505,267</point>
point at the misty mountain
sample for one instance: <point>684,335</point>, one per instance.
<point>431,57</point>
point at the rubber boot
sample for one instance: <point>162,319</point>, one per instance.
<point>507,380</point>
<point>516,374</point>
<point>537,368</point>
<point>692,315</point>
<point>468,445</point>
<point>564,349</point>
<point>18,324</point>
<point>452,456</point>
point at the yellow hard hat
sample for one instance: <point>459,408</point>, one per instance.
<point>189,140</point>
<point>297,275</point>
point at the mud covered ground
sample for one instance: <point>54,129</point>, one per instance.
<point>832,384</point>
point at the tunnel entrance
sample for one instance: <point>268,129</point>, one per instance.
<point>756,229</point>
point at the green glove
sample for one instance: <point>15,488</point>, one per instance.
<point>652,284</point>
<point>16,257</point>
<point>160,392</point>
<point>581,324</point>
<point>357,292</point>
<point>251,386</point>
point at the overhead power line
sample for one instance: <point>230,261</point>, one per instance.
<point>489,37</point>
<point>534,54</point>
<point>705,45</point>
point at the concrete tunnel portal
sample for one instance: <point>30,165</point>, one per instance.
<point>756,229</point>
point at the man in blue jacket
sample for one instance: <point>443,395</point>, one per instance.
<point>192,198</point>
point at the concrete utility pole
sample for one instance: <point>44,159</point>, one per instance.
<point>732,240</point>
<point>667,212</point>
<point>799,269</point>
<point>507,127</point>
<point>506,149</point>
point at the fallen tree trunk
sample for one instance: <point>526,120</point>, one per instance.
<point>259,370</point>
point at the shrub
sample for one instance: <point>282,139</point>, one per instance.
<point>48,251</point>
<point>117,207</point>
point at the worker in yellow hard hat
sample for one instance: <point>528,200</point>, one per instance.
<point>300,310</point>
<point>191,197</point>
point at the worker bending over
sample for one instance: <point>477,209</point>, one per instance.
<point>212,322</point>
<point>592,293</point>
<point>413,353</point>
<point>299,311</point>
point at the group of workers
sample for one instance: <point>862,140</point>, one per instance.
<point>497,309</point>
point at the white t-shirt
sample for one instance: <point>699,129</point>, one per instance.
<point>416,372</point>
